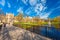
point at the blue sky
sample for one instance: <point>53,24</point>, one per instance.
<point>32,8</point>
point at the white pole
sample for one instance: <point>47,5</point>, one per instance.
<point>49,23</point>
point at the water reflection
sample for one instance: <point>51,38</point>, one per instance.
<point>47,31</point>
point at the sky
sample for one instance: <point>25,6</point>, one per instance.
<point>41,8</point>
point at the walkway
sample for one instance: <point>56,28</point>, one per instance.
<point>15,33</point>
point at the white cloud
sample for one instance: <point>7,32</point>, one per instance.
<point>33,2</point>
<point>25,1</point>
<point>54,9</point>
<point>45,16</point>
<point>9,5</point>
<point>28,11</point>
<point>43,1</point>
<point>20,10</point>
<point>44,8</point>
<point>2,2</point>
<point>30,17</point>
<point>39,7</point>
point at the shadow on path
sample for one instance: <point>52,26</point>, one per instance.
<point>15,33</point>
<point>5,34</point>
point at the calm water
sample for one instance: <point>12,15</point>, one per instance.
<point>50,32</point>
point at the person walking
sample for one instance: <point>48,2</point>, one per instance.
<point>4,24</point>
<point>0,28</point>
<point>1,25</point>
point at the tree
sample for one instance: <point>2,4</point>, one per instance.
<point>36,19</point>
<point>57,19</point>
<point>2,15</point>
<point>20,16</point>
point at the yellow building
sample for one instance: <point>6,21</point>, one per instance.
<point>9,18</point>
<point>2,17</point>
<point>16,19</point>
<point>27,19</point>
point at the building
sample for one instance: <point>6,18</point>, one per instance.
<point>27,19</point>
<point>9,18</point>
<point>16,19</point>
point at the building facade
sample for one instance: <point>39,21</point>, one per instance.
<point>9,18</point>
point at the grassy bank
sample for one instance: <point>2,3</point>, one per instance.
<point>56,24</point>
<point>28,25</point>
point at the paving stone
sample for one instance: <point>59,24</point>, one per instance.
<point>15,33</point>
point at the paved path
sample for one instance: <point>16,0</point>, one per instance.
<point>15,33</point>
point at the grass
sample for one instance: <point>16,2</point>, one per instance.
<point>56,24</point>
<point>27,25</point>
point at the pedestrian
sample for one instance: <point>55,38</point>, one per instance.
<point>4,24</point>
<point>1,26</point>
